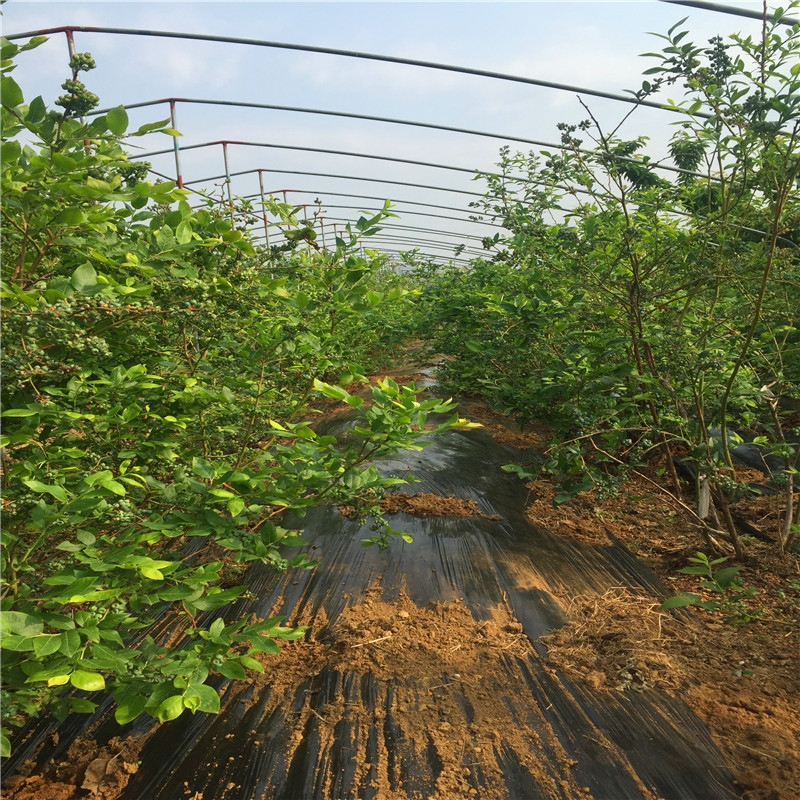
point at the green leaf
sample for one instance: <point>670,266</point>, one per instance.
<point>263,644</point>
<point>84,277</point>
<point>105,187</point>
<point>15,622</point>
<point>679,600</point>
<point>209,699</point>
<point>33,42</point>
<point>59,621</point>
<point>36,110</point>
<point>129,708</point>
<point>88,681</point>
<point>694,570</point>
<point>113,486</point>
<point>71,216</point>
<point>10,151</point>
<point>203,468</point>
<point>56,491</point>
<point>171,708</point>
<point>151,126</point>
<point>191,702</point>
<point>183,233</point>
<point>164,239</point>
<point>236,506</point>
<point>47,644</point>
<point>219,599</point>
<point>10,92</point>
<point>331,391</point>
<point>251,663</point>
<point>80,705</point>
<point>117,120</point>
<point>20,412</point>
<point>100,594</point>
<point>224,494</point>
<point>230,669</point>
<point>5,746</point>
<point>289,634</point>
<point>725,577</point>
<point>152,573</point>
<point>70,643</point>
<point>19,644</point>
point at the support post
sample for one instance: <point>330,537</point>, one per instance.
<point>263,207</point>
<point>71,50</point>
<point>228,177</point>
<point>174,122</point>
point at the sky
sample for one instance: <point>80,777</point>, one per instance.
<point>586,43</point>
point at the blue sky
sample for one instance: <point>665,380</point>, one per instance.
<point>590,43</point>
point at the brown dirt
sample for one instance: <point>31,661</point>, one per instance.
<point>425,504</point>
<point>743,681</point>
<point>751,475</point>
<point>88,771</point>
<point>617,640</point>
<point>429,665</point>
<point>504,430</point>
<point>764,512</point>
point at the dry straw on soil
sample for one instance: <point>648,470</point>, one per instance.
<point>617,640</point>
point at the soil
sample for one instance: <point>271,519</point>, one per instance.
<point>89,771</point>
<point>435,672</point>
<point>425,504</point>
<point>742,680</point>
<point>535,434</point>
<point>619,641</point>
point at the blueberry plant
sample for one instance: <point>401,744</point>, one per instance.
<point>649,311</point>
<point>158,370</point>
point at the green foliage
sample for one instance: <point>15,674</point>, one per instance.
<point>158,375</point>
<point>637,313</point>
<point>728,593</point>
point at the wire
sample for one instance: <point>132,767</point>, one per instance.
<point>346,114</point>
<point>738,12</point>
<point>395,200</point>
<point>332,175</point>
<point>403,213</point>
<point>388,158</point>
<point>332,51</point>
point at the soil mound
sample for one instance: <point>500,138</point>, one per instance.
<point>89,771</point>
<point>433,677</point>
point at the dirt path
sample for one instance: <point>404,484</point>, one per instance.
<point>425,674</point>
<point>743,680</point>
